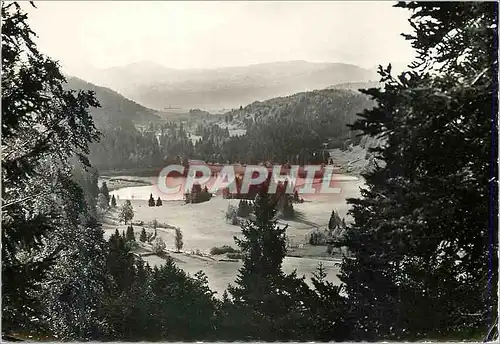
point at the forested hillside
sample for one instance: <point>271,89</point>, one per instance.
<point>123,144</point>
<point>286,129</point>
<point>294,128</point>
<point>115,108</point>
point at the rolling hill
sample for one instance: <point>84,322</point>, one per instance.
<point>159,87</point>
<point>294,128</point>
<point>114,107</point>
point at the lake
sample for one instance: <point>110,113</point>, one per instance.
<point>348,187</point>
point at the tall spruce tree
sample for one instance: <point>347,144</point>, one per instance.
<point>44,127</point>
<point>151,201</point>
<point>262,294</point>
<point>130,236</point>
<point>422,235</point>
<point>143,237</point>
<point>104,190</point>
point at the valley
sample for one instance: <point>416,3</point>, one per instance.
<point>204,227</point>
<point>197,133</point>
<point>249,171</point>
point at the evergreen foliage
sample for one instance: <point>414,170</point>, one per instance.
<point>46,130</point>
<point>143,237</point>
<point>104,190</point>
<point>151,201</point>
<point>422,234</point>
<point>159,203</point>
<point>130,236</point>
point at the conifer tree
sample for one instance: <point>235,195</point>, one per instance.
<point>102,203</point>
<point>262,258</point>
<point>143,237</point>
<point>43,127</point>
<point>151,201</point>
<point>261,289</point>
<point>113,201</point>
<point>335,220</point>
<point>159,203</point>
<point>104,190</point>
<point>421,236</point>
<point>130,236</point>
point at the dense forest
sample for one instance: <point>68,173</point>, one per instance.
<point>423,241</point>
<point>292,129</point>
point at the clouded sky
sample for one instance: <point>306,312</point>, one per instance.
<point>100,34</point>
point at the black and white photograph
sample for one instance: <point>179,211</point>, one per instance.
<point>249,171</point>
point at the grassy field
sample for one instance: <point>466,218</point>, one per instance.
<point>204,226</point>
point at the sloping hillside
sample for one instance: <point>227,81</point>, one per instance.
<point>114,107</point>
<point>328,110</point>
<point>295,128</point>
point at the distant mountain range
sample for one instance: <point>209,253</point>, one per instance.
<point>159,87</point>
<point>115,108</point>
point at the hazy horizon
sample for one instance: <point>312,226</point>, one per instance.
<point>207,35</point>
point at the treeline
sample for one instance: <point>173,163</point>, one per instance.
<point>288,140</point>
<point>126,147</point>
<point>293,129</point>
<point>421,264</point>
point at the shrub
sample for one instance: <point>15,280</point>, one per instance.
<point>245,208</point>
<point>154,224</point>
<point>159,246</point>
<point>197,194</point>
<point>222,250</point>
<point>230,211</point>
<point>203,196</point>
<point>317,238</point>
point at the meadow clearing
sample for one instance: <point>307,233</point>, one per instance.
<point>204,226</point>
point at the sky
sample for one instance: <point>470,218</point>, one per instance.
<point>212,34</point>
